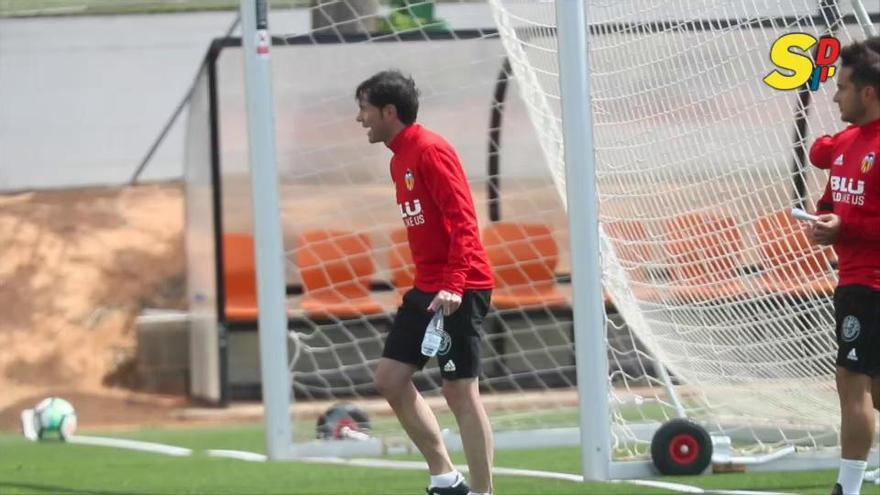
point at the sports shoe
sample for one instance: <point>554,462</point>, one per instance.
<point>838,490</point>
<point>461,488</point>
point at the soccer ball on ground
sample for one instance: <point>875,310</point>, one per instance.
<point>54,415</point>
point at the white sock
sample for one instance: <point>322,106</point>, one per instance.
<point>850,476</point>
<point>873,476</point>
<point>445,480</point>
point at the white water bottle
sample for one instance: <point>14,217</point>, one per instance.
<point>433,335</point>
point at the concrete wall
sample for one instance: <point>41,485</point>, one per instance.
<point>83,98</point>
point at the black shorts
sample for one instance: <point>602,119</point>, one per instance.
<point>857,326</point>
<point>459,355</point>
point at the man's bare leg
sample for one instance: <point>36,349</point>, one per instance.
<point>873,476</point>
<point>875,392</point>
<point>463,398</point>
<point>856,427</point>
<point>394,382</point>
<point>857,414</point>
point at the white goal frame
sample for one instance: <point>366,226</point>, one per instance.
<point>589,316</point>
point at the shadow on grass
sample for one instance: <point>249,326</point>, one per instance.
<point>59,490</point>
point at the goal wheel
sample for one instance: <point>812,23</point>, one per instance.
<point>681,447</point>
<point>341,419</point>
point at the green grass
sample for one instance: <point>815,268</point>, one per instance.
<point>249,437</point>
<point>57,468</point>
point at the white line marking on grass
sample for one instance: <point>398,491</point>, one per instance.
<point>241,455</point>
<point>665,485</point>
<point>530,473</point>
<point>237,454</point>
<point>120,443</point>
<point>372,463</point>
<point>742,492</point>
<point>420,465</point>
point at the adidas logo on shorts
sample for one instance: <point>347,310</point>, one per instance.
<point>449,367</point>
<point>852,355</point>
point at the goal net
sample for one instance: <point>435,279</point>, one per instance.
<point>698,165</point>
<point>717,309</point>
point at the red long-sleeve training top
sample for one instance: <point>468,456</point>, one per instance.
<point>853,193</point>
<point>438,211</point>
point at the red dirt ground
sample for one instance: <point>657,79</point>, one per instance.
<point>76,268</point>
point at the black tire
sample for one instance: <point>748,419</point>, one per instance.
<point>681,447</point>
<point>341,415</point>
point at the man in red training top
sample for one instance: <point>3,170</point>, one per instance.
<point>849,219</point>
<point>452,275</point>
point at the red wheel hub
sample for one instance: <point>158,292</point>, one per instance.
<point>684,449</point>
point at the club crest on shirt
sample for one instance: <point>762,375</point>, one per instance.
<point>868,162</point>
<point>409,179</point>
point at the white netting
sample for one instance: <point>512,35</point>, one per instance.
<point>343,232</point>
<point>703,269</point>
<point>696,169</point>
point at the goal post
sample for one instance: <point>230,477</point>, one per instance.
<point>700,255</point>
<point>268,242</point>
<point>583,226</point>
<point>714,308</point>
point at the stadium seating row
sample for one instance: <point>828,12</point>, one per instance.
<point>704,257</point>
<point>699,258</point>
<point>337,269</point>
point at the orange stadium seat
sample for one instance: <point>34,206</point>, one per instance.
<point>524,259</point>
<point>336,268</point>
<point>791,264</point>
<point>240,280</point>
<point>704,257</point>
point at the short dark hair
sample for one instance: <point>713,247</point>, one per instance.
<point>863,57</point>
<point>391,87</point>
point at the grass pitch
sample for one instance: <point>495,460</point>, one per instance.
<point>56,468</point>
